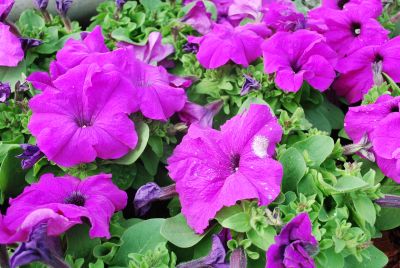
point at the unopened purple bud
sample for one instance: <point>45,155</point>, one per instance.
<point>203,116</point>
<point>63,6</point>
<point>190,48</point>
<point>149,193</point>
<point>41,4</point>
<point>27,43</point>
<point>120,3</point>
<point>389,201</point>
<point>238,259</point>
<point>214,259</point>
<point>249,84</point>
<point>5,92</point>
<point>39,247</point>
<point>30,156</point>
<point>362,147</point>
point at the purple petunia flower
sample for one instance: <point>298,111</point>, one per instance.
<point>190,48</point>
<point>298,56</point>
<point>39,247</point>
<point>120,3</point>
<point>149,193</point>
<point>30,156</point>
<point>199,18</point>
<point>249,84</point>
<point>379,122</point>
<point>349,30</point>
<point>11,52</point>
<point>41,4</point>
<point>372,7</point>
<point>5,92</point>
<point>214,163</point>
<point>63,6</point>
<point>241,9</point>
<point>63,202</point>
<point>153,52</point>
<point>27,43</point>
<point>86,111</point>
<point>294,245</point>
<point>203,116</point>
<point>214,259</point>
<point>5,8</point>
<point>226,43</point>
<point>282,15</point>
<point>359,69</point>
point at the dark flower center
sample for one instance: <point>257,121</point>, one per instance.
<point>83,123</point>
<point>378,58</point>
<point>341,3</point>
<point>394,109</point>
<point>76,198</point>
<point>295,67</point>
<point>235,160</point>
<point>355,28</point>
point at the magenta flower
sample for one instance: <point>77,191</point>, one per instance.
<point>226,43</point>
<point>11,52</point>
<point>226,166</point>
<point>359,69</point>
<point>298,56</point>
<point>294,245</point>
<point>153,52</point>
<point>372,7</point>
<point>379,121</point>
<point>63,202</point>
<point>193,113</point>
<point>349,30</point>
<point>5,8</point>
<point>86,112</point>
<point>199,18</point>
<point>5,92</point>
<point>30,156</point>
<point>241,9</point>
<point>282,15</point>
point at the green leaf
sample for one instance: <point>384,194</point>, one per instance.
<point>262,239</point>
<point>328,258</point>
<point>239,222</point>
<point>156,145</point>
<point>150,161</point>
<point>349,184</point>
<point>388,218</point>
<point>318,148</point>
<point>365,208</point>
<point>177,231</point>
<point>143,131</point>
<point>227,212</point>
<point>150,4</point>
<point>139,238</point>
<point>13,74</point>
<point>374,259</point>
<point>79,244</point>
<point>252,100</point>
<point>105,251</point>
<point>30,20</point>
<point>294,168</point>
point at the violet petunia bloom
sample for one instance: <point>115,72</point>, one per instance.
<point>5,8</point>
<point>203,116</point>
<point>249,84</point>
<point>226,166</point>
<point>153,52</point>
<point>241,9</point>
<point>63,6</point>
<point>75,116</point>
<point>11,52</point>
<point>190,48</point>
<point>120,3</point>
<point>199,18</point>
<point>372,7</point>
<point>27,43</point>
<point>30,156</point>
<point>349,30</point>
<point>39,247</point>
<point>282,15</point>
<point>226,43</point>
<point>214,259</point>
<point>360,68</point>
<point>63,202</point>
<point>41,4</point>
<point>298,56</point>
<point>379,123</point>
<point>294,245</point>
<point>149,193</point>
<point>5,92</point>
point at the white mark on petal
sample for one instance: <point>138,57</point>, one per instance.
<point>260,146</point>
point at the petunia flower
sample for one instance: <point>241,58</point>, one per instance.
<point>5,92</point>
<point>63,6</point>
<point>359,69</point>
<point>39,247</point>
<point>215,258</point>
<point>282,15</point>
<point>242,44</point>
<point>223,167</point>
<point>30,155</point>
<point>379,123</point>
<point>199,18</point>
<point>241,9</point>
<point>298,56</point>
<point>63,202</point>
<point>153,52</point>
<point>249,84</point>
<point>41,4</point>
<point>190,48</point>
<point>11,52</point>
<point>349,30</point>
<point>27,43</point>
<point>372,7</point>
<point>294,245</point>
<point>85,112</point>
<point>5,8</point>
<point>120,3</point>
<point>193,113</point>
<point>149,193</point>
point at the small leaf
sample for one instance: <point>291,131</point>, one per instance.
<point>365,208</point>
<point>294,168</point>
<point>142,129</point>
<point>317,147</point>
<point>262,239</point>
<point>239,222</point>
<point>349,184</point>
